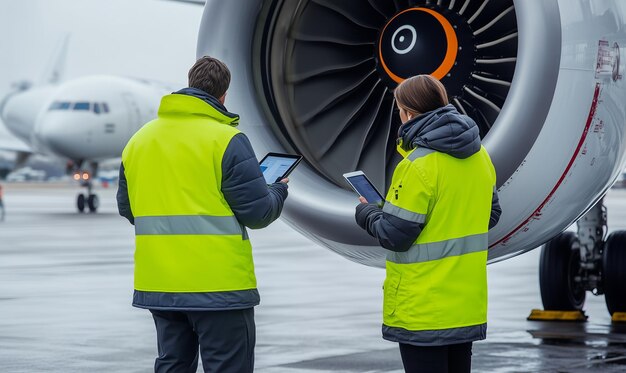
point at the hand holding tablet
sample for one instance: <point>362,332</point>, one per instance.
<point>277,166</point>
<point>364,187</point>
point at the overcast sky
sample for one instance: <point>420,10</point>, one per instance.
<point>152,39</point>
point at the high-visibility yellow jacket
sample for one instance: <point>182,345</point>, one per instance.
<point>192,252</point>
<point>435,292</point>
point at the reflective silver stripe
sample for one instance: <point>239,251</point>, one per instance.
<point>426,252</point>
<point>403,213</point>
<point>187,224</point>
<point>436,337</point>
<point>419,152</point>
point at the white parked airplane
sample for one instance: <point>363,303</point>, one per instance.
<point>82,121</point>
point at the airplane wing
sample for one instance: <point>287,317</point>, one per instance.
<point>14,145</point>
<point>11,143</point>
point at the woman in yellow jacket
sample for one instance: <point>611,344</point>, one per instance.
<point>441,203</point>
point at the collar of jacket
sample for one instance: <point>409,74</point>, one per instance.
<point>444,130</point>
<point>192,101</point>
<point>400,148</point>
<point>404,143</point>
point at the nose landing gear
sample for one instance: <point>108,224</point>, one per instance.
<point>90,200</point>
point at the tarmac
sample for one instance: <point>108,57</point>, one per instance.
<point>66,288</point>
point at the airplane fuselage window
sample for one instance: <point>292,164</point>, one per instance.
<point>105,107</point>
<point>58,105</point>
<point>82,106</point>
<point>96,108</point>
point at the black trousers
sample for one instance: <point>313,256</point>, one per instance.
<point>226,340</point>
<point>437,359</point>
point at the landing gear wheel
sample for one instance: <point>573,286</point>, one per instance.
<point>558,267</point>
<point>93,202</point>
<point>80,202</point>
<point>614,269</point>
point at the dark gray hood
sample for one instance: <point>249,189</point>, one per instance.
<point>443,130</point>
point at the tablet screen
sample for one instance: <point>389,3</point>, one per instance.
<point>365,189</point>
<point>275,167</point>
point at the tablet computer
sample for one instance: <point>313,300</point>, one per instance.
<point>364,187</point>
<point>277,166</point>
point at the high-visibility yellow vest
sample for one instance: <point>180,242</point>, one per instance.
<point>191,252</point>
<point>436,292</point>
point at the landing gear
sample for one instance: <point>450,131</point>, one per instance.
<point>90,200</point>
<point>93,202</point>
<point>573,263</point>
<point>559,274</point>
<point>614,265</point>
<point>80,202</point>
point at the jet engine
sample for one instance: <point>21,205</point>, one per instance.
<point>543,80</point>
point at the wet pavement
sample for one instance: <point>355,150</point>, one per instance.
<point>66,287</point>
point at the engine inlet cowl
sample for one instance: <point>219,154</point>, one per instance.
<point>330,68</point>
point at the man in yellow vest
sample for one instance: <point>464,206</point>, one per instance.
<point>191,184</point>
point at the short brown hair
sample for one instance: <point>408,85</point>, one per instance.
<point>210,75</point>
<point>420,94</point>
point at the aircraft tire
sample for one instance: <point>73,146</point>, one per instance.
<point>558,266</point>
<point>614,270</point>
<point>80,203</point>
<point>93,202</point>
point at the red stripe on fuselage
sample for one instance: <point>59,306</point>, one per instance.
<point>537,212</point>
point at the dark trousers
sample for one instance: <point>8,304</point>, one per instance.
<point>226,340</point>
<point>437,359</point>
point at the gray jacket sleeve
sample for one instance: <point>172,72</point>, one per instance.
<point>123,202</point>
<point>496,210</point>
<point>393,233</point>
<point>254,203</point>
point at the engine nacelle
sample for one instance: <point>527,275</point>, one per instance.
<point>541,78</point>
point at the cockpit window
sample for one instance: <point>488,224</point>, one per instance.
<point>96,107</point>
<point>82,106</point>
<point>60,105</point>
